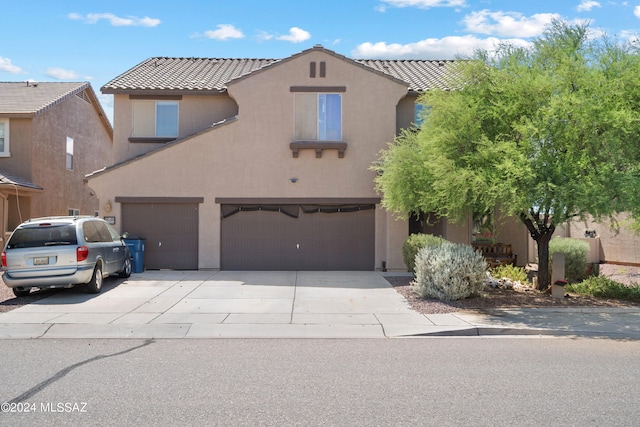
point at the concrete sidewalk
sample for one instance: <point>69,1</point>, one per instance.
<point>208,304</point>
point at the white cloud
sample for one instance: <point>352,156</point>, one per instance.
<point>224,32</point>
<point>636,11</point>
<point>630,36</point>
<point>587,5</point>
<point>296,35</point>
<point>7,66</point>
<point>264,36</point>
<point>116,21</point>
<point>62,74</point>
<point>508,24</point>
<point>444,48</point>
<point>422,4</point>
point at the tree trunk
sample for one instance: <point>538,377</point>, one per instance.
<point>544,272</point>
<point>541,228</point>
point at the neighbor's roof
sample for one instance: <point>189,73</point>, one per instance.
<point>28,99</point>
<point>213,74</point>
<point>6,179</point>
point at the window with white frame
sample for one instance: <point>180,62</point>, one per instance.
<point>318,116</point>
<point>69,153</point>
<point>155,118</point>
<point>4,138</point>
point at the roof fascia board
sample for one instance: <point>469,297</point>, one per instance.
<point>162,92</point>
<point>20,115</point>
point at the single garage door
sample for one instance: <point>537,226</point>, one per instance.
<point>298,237</point>
<point>170,228</point>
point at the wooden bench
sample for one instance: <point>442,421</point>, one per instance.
<point>496,253</point>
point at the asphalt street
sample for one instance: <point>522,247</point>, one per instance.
<point>361,382</point>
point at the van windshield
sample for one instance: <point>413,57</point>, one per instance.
<point>50,235</point>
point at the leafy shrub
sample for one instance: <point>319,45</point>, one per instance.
<point>575,257</point>
<point>511,272</point>
<point>449,271</point>
<point>413,244</point>
<point>604,287</point>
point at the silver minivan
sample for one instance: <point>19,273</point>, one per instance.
<point>60,252</point>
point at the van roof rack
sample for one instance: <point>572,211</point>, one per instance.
<point>59,217</point>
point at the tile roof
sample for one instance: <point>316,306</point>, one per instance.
<point>6,179</point>
<point>33,98</point>
<point>180,74</point>
<point>28,99</point>
<point>420,75</point>
<point>213,74</point>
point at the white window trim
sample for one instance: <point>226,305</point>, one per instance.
<point>7,147</point>
<point>68,153</point>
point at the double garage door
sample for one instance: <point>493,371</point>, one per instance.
<point>291,237</point>
<point>257,236</point>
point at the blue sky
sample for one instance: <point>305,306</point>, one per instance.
<point>88,40</point>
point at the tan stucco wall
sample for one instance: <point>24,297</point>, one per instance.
<point>195,112</point>
<point>406,113</point>
<point>617,247</point>
<point>250,157</point>
<point>512,231</point>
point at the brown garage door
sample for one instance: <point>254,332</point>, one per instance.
<point>170,229</point>
<point>286,238</point>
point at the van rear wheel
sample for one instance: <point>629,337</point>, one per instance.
<point>21,292</point>
<point>95,285</point>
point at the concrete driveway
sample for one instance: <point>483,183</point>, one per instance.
<point>228,304</point>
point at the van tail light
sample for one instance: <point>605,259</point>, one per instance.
<point>4,259</point>
<point>82,253</point>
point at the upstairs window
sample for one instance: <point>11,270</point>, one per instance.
<point>4,138</point>
<point>155,119</point>
<point>420,112</point>
<point>69,161</point>
<point>318,116</point>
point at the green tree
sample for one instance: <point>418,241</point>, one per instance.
<point>548,133</point>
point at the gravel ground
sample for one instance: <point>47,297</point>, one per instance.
<point>523,297</point>
<point>490,297</point>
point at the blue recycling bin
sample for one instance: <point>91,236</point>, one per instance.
<point>136,247</point>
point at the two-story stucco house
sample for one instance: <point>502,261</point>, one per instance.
<point>51,135</point>
<point>261,164</point>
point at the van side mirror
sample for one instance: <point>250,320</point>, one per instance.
<point>125,235</point>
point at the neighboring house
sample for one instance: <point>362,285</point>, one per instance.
<point>51,135</point>
<point>263,164</point>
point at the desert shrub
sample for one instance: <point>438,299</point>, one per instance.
<point>449,271</point>
<point>604,287</point>
<point>575,257</point>
<point>413,244</point>
<point>511,272</point>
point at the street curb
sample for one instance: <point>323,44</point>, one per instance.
<point>498,331</point>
